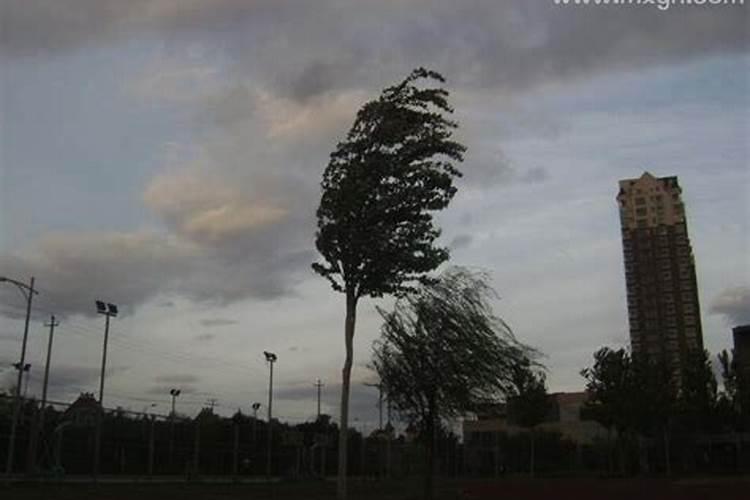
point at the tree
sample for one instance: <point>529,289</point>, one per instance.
<point>654,396</point>
<point>381,186</point>
<point>443,352</point>
<point>609,386</point>
<point>635,396</point>
<point>698,392</point>
<point>530,402</point>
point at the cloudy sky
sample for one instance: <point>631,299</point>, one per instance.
<point>165,155</point>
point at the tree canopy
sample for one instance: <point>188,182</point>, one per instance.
<point>443,353</point>
<point>442,350</point>
<point>395,167</point>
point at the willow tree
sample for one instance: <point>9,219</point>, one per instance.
<point>383,183</point>
<point>443,353</point>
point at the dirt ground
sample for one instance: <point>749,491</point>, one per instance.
<point>506,489</point>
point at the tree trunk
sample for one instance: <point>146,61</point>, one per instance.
<point>351,316</point>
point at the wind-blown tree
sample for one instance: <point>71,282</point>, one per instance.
<point>529,404</point>
<point>443,353</point>
<point>383,183</point>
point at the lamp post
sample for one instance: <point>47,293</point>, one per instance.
<point>174,393</point>
<point>28,292</point>
<point>271,358</point>
<point>109,311</point>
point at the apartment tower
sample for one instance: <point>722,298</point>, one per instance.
<point>663,308</point>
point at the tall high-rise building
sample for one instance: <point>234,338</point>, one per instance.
<point>663,308</point>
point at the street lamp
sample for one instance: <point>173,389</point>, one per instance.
<point>109,311</point>
<point>271,358</point>
<point>28,292</point>
<point>174,393</point>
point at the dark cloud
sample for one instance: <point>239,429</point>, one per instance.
<point>205,337</point>
<point>734,305</point>
<point>510,44</point>
<point>211,322</point>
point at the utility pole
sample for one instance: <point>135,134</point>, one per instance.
<point>25,369</point>
<point>28,291</point>
<point>271,358</point>
<point>39,417</point>
<point>109,311</point>
<point>319,385</point>
<point>52,324</point>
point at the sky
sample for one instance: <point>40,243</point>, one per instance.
<point>166,156</point>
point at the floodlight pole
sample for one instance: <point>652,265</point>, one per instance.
<point>271,358</point>
<point>319,385</point>
<point>28,291</point>
<point>174,393</point>
<point>108,310</point>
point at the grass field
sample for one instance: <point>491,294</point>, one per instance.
<point>506,489</point>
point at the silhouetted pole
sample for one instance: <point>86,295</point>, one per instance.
<point>28,291</point>
<point>256,407</point>
<point>319,385</point>
<point>109,311</point>
<point>39,420</point>
<point>174,393</point>
<point>271,358</point>
<point>52,324</point>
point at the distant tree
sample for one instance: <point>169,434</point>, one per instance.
<point>443,352</point>
<point>609,384</point>
<point>698,394</point>
<point>529,404</point>
<point>654,398</point>
<point>375,224</point>
<point>734,399</point>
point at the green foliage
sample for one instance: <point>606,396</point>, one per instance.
<point>529,404</point>
<point>395,167</point>
<point>698,394</point>
<point>443,352</point>
<point>609,386</point>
